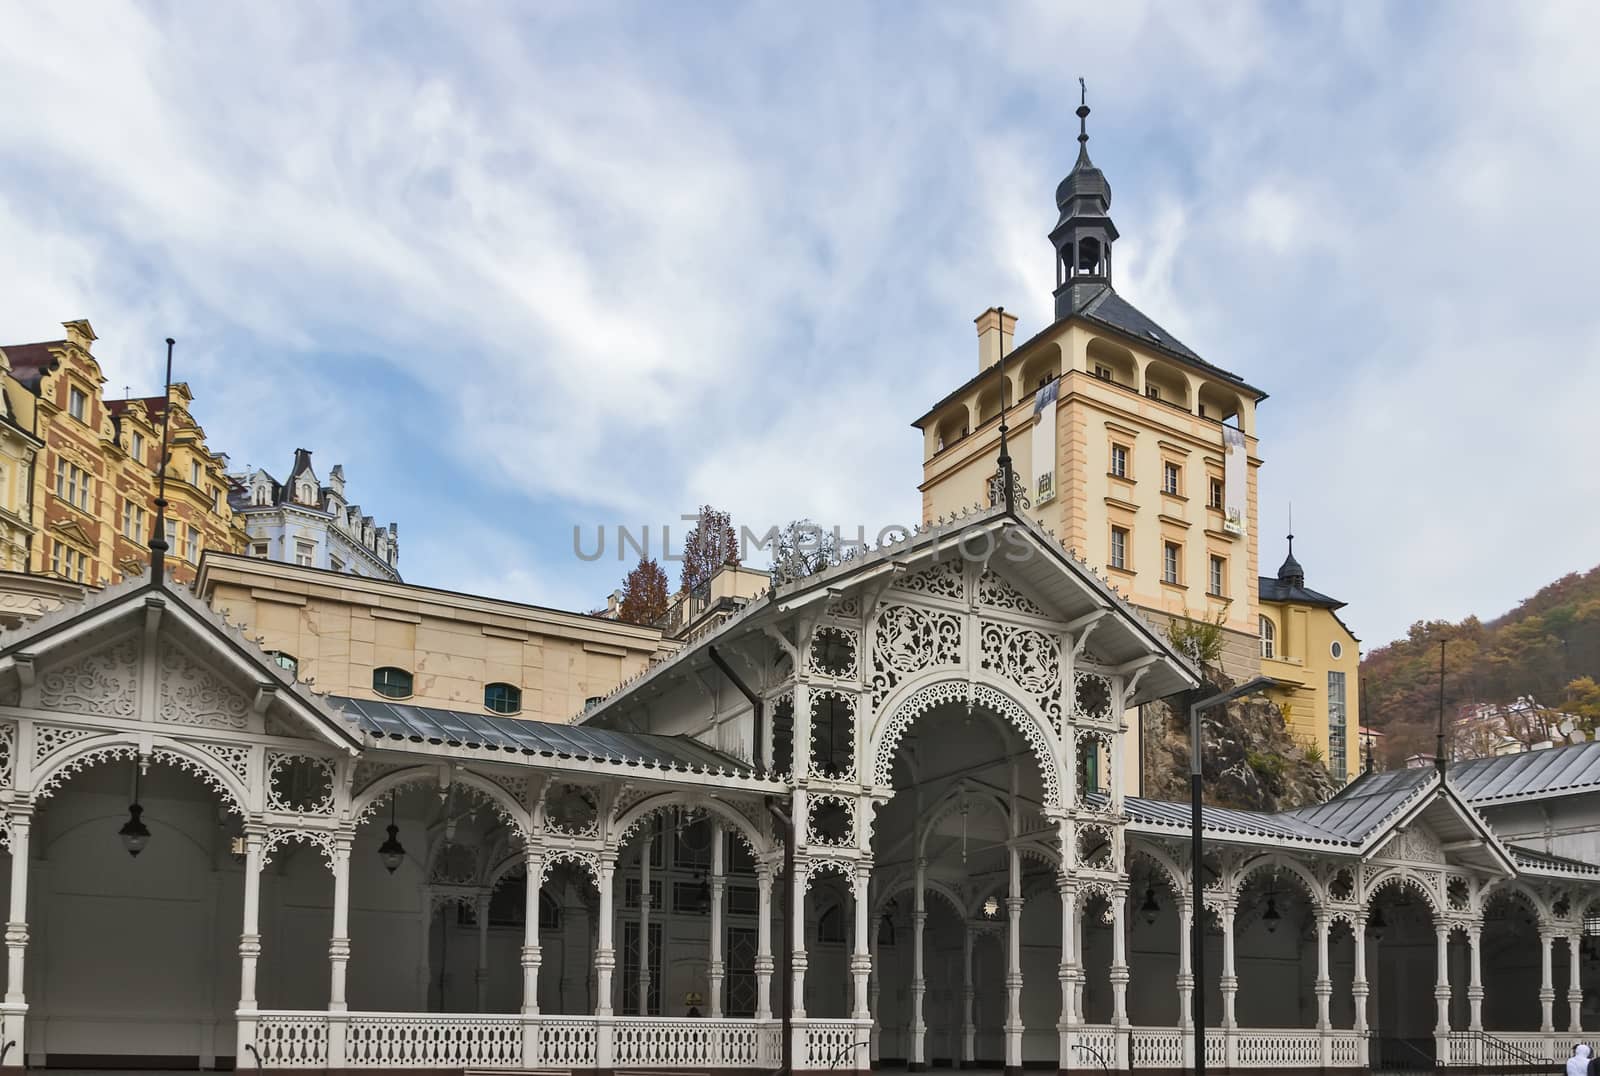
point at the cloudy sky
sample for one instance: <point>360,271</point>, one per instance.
<point>525,267</point>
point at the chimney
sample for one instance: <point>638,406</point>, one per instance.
<point>994,336</point>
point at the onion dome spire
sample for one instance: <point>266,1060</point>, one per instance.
<point>1084,233</point>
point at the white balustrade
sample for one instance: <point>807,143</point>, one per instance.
<point>1275,1049</point>
<point>1346,1051</point>
<point>689,1042</point>
<point>1156,1047</point>
<point>567,1042</point>
<point>433,1040</point>
<point>830,1044</point>
<point>1094,1046</point>
<point>292,1040</point>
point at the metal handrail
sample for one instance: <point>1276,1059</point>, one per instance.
<point>1516,1052</point>
<point>845,1050</point>
<point>1096,1054</point>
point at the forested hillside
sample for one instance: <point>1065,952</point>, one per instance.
<point>1546,649</point>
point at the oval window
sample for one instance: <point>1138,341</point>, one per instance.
<point>284,661</point>
<point>502,698</point>
<point>1336,650</point>
<point>391,683</point>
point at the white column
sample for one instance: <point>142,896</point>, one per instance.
<point>919,985</point>
<point>764,962</point>
<point>605,955</point>
<point>17,921</point>
<point>1014,967</point>
<point>425,953</point>
<point>797,942</point>
<point>861,958</point>
<point>1358,974</point>
<point>969,1030</point>
<point>1230,976</point>
<point>1574,983</point>
<point>1441,988</point>
<point>1324,983</point>
<point>1547,988</point>
<point>480,974</point>
<point>531,956</point>
<point>1186,984</point>
<point>644,926</point>
<point>249,945</point>
<point>1119,957</point>
<point>339,943</point>
<point>1475,984</point>
<point>1079,973</point>
<point>874,992</point>
<point>715,969</point>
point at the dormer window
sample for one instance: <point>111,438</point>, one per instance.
<point>136,446</point>
<point>194,472</point>
<point>263,495</point>
<point>78,404</point>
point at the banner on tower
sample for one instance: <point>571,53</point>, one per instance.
<point>1235,480</point>
<point>1044,443</point>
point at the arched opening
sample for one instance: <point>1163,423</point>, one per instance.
<point>1162,382</point>
<point>1155,941</point>
<point>1402,960</point>
<point>132,960</point>
<point>1511,958</point>
<point>1218,404</point>
<point>428,935</point>
<point>1112,362</point>
<point>1040,369</point>
<point>966,783</point>
<point>1275,942</point>
<point>952,427</point>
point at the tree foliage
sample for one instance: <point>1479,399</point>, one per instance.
<point>709,545</point>
<point>644,594</point>
<point>1201,640</point>
<point>802,548</point>
<point>1546,649</point>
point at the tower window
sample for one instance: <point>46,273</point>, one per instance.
<point>1171,555</point>
<point>1088,255</point>
<point>1269,638</point>
<point>1219,571</point>
<point>1170,479</point>
<point>1119,548</point>
<point>391,683</point>
<point>502,698</point>
<point>1119,461</point>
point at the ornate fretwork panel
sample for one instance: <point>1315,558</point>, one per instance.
<point>48,739</point>
<point>833,735</point>
<point>572,810</point>
<point>1415,845</point>
<point>945,579</point>
<point>321,840</point>
<point>105,682</point>
<point>831,821</point>
<point>953,692</point>
<point>1094,698</point>
<point>300,784</point>
<point>997,591</point>
<point>368,772</point>
<point>909,640</point>
<point>834,653</point>
<point>8,754</point>
<point>1028,658</point>
<point>191,694</point>
<point>234,757</point>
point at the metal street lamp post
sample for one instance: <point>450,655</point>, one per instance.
<point>1197,854</point>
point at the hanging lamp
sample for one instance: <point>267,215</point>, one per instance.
<point>391,851</point>
<point>134,833</point>
<point>1151,908</point>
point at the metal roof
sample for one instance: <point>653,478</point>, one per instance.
<point>1225,821</point>
<point>1528,857</point>
<point>455,728</point>
<point>1553,771</point>
<point>1366,803</point>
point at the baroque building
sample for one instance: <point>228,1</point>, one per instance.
<point>816,836</point>
<point>91,485</point>
<point>1316,660</point>
<point>1138,452</point>
<point>301,521</point>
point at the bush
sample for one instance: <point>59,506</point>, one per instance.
<point>1201,640</point>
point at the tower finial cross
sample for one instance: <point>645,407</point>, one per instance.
<point>1083,99</point>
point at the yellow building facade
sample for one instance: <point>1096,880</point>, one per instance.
<point>1132,448</point>
<point>89,491</point>
<point>1317,660</point>
<point>376,639</point>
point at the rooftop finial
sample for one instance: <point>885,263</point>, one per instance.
<point>1083,114</point>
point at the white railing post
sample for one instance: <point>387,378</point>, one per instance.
<point>249,951</point>
<point>338,1030</point>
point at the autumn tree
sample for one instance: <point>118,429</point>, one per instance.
<point>709,545</point>
<point>644,594</point>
